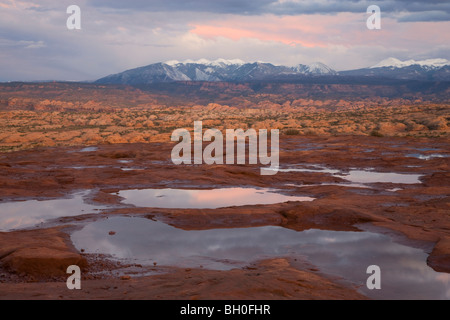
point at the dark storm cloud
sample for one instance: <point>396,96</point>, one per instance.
<point>426,16</point>
<point>223,6</point>
<point>287,7</point>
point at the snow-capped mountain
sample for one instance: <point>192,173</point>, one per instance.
<point>392,68</point>
<point>396,63</point>
<point>238,70</point>
<point>315,68</point>
<point>158,72</point>
<point>216,70</point>
<point>215,63</point>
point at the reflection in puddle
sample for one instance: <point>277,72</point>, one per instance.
<point>320,170</point>
<point>394,189</point>
<point>307,147</point>
<point>89,149</point>
<point>426,149</point>
<point>362,176</point>
<point>124,161</point>
<point>86,167</point>
<point>204,199</point>
<point>426,156</point>
<point>24,214</point>
<point>405,274</point>
<point>347,185</point>
<point>311,168</point>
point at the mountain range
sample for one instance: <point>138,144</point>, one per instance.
<point>238,71</point>
<point>427,70</point>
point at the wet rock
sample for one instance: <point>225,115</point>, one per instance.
<point>439,259</point>
<point>39,253</point>
<point>39,261</point>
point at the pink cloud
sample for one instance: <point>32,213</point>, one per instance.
<point>18,4</point>
<point>347,29</point>
<point>288,30</point>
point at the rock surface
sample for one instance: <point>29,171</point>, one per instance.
<point>418,211</point>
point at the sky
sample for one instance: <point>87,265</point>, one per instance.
<point>116,35</point>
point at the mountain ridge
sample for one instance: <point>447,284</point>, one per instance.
<point>396,63</point>
<point>236,70</point>
<point>216,70</point>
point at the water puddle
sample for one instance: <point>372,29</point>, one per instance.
<point>358,177</point>
<point>86,167</point>
<point>318,170</point>
<point>348,185</point>
<point>426,156</point>
<point>89,149</point>
<point>307,147</point>
<point>363,176</point>
<point>24,214</point>
<point>124,161</point>
<point>405,274</point>
<point>204,199</point>
<point>394,189</point>
<point>427,149</point>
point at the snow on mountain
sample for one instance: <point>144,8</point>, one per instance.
<point>317,68</point>
<point>396,63</point>
<point>320,68</point>
<point>172,63</point>
<point>217,62</point>
<point>238,70</point>
<point>392,68</point>
<point>213,70</point>
<point>158,72</point>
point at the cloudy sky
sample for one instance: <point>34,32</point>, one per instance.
<point>116,35</point>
